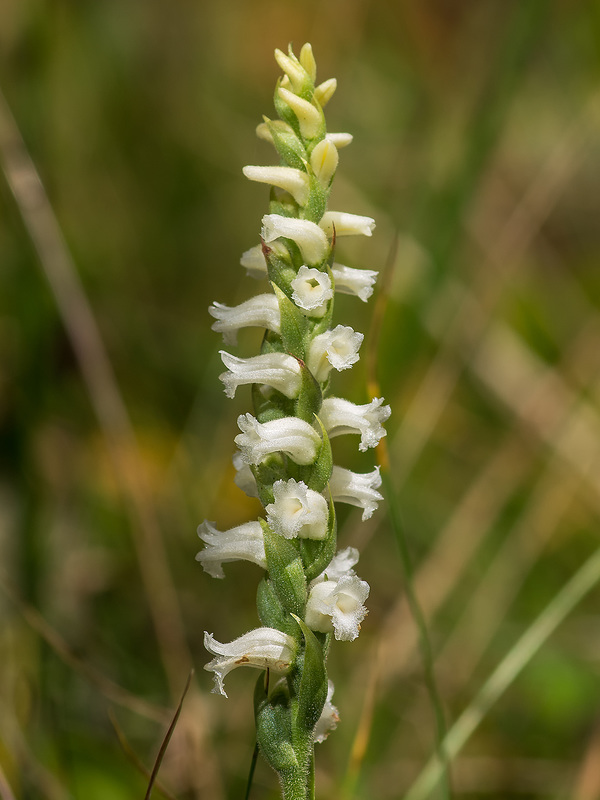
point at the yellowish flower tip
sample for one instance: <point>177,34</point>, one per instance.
<point>324,91</point>
<point>307,60</point>
<point>290,65</point>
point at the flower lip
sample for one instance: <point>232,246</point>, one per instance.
<point>297,511</point>
<point>279,370</point>
<point>340,416</point>
<point>289,435</point>
<point>264,648</point>
<point>309,237</point>
<point>243,543</point>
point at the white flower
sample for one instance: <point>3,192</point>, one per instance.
<point>329,718</point>
<point>297,511</point>
<point>339,566</point>
<point>337,605</point>
<point>337,348</point>
<point>265,648</point>
<point>253,261</point>
<point>354,281</point>
<point>356,489</point>
<point>324,91</point>
<point>244,477</point>
<point>292,180</point>
<point>340,416</point>
<point>311,290</point>
<point>278,370</point>
<point>309,117</point>
<point>346,224</point>
<point>289,435</point>
<point>340,139</point>
<point>261,311</point>
<point>242,543</point>
<point>309,237</point>
<point>324,161</point>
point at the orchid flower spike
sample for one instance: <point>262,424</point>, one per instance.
<point>284,457</point>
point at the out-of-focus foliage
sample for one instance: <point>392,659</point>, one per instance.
<point>476,138</point>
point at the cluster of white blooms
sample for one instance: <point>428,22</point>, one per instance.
<point>309,591</point>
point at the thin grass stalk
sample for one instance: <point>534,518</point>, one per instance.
<point>505,673</point>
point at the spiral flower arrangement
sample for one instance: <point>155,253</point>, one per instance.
<point>310,591</point>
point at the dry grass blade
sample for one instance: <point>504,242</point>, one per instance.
<point>582,582</point>
<point>109,689</point>
<point>97,372</point>
<point>6,793</point>
<point>132,755</point>
<point>112,415</point>
<point>167,739</point>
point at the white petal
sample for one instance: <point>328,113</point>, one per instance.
<point>292,180</point>
<point>279,370</point>
<point>324,161</point>
<point>340,416</point>
<point>265,648</point>
<point>244,477</point>
<point>356,489</point>
<point>324,91</point>
<point>254,262</point>
<point>309,237</point>
<point>312,290</point>
<point>346,224</point>
<point>359,282</point>
<point>337,348</point>
<point>242,543</point>
<point>329,718</point>
<point>261,311</point>
<point>338,606</point>
<point>297,511</point>
<point>289,435</point>
<point>340,139</point>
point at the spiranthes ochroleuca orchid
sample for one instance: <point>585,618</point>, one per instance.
<point>265,648</point>
<point>309,593</point>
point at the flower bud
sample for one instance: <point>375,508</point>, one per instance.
<point>309,237</point>
<point>310,118</point>
<point>291,180</point>
<point>324,161</point>
<point>324,91</point>
<point>347,224</point>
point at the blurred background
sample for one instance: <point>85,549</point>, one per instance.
<point>476,148</point>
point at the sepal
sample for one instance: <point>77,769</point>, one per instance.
<point>316,475</point>
<point>316,555</point>
<point>293,324</point>
<point>285,570</point>
<point>270,609</point>
<point>287,143</point>
<point>312,691</point>
<point>274,727</point>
